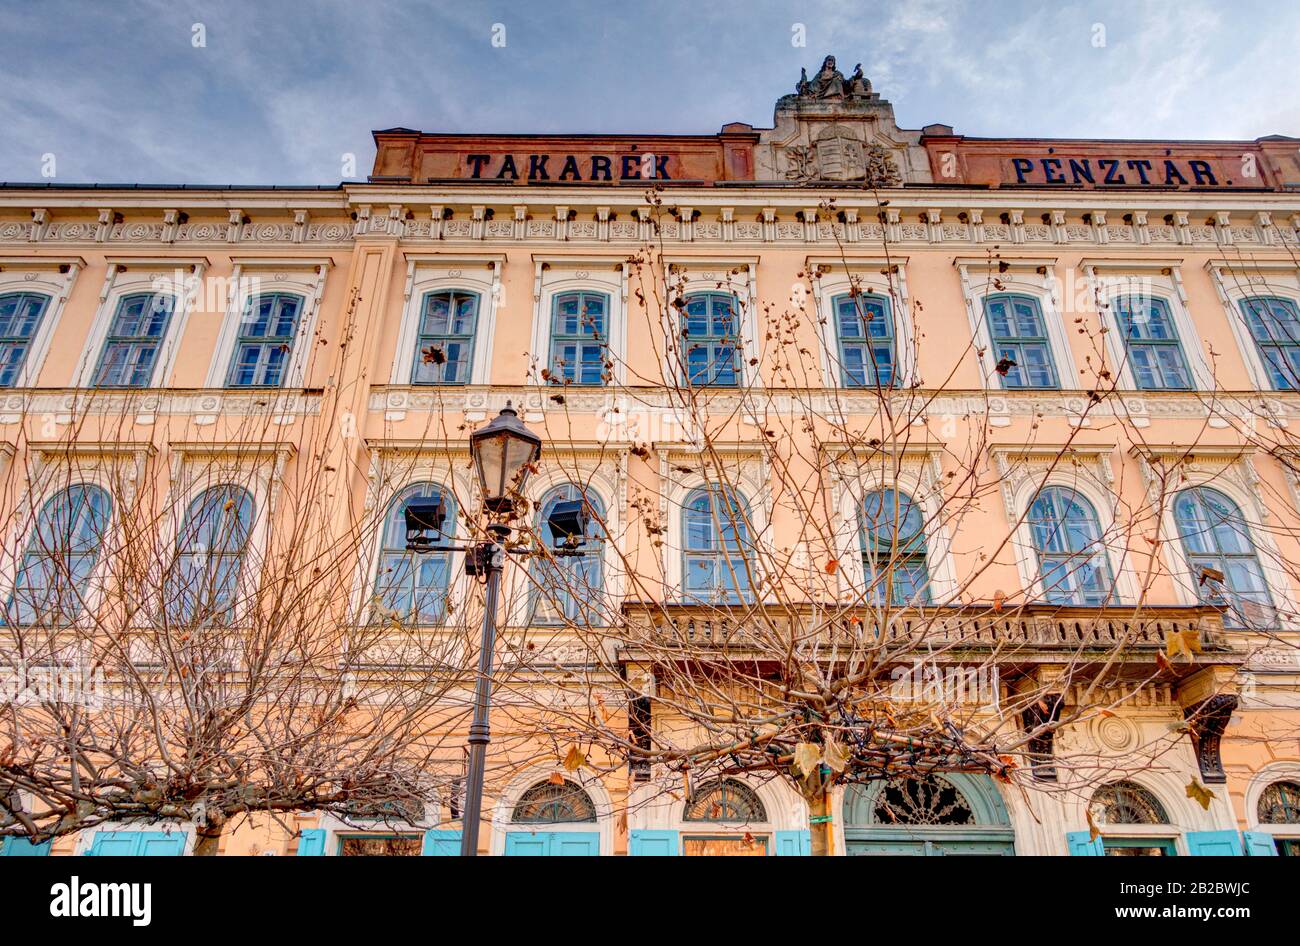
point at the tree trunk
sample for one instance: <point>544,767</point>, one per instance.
<point>206,840</point>
<point>819,809</point>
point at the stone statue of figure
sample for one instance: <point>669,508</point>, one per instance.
<point>859,85</point>
<point>802,87</point>
<point>829,81</point>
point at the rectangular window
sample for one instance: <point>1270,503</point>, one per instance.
<point>265,343</point>
<point>711,340</point>
<point>866,337</point>
<point>1154,352</point>
<point>381,845</point>
<point>1139,847</point>
<point>20,316</point>
<point>579,338</point>
<point>445,347</point>
<point>134,336</point>
<point>1021,350</point>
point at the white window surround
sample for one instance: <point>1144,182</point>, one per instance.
<point>1259,783</point>
<point>428,273</point>
<point>659,806</point>
<point>917,473</point>
<point>86,837</point>
<point>55,466</point>
<point>874,276</point>
<point>48,276</point>
<point>1157,279</point>
<point>253,276</point>
<point>738,277</point>
<point>1234,281</point>
<point>336,828</point>
<point>1231,471</point>
<point>1085,468</point>
<point>742,470</point>
<point>1168,784</point>
<point>179,277</point>
<point>504,808</point>
<point>553,275</point>
<point>601,477</point>
<point>1021,276</point>
<point>392,470</point>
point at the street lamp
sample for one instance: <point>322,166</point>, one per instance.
<point>504,453</point>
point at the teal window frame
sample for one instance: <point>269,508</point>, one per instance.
<point>129,354</point>
<point>61,556</point>
<point>454,334</point>
<point>579,338</point>
<point>1067,535</point>
<point>709,332</point>
<point>210,550</point>
<point>266,339</point>
<point>716,546</point>
<point>1025,332</point>
<point>1168,845</point>
<point>864,331</point>
<point>21,315</point>
<point>1274,325</point>
<point>893,540</point>
<point>417,836</point>
<point>569,585</point>
<point>1223,542</point>
<point>1155,352</point>
<point>414,586</point>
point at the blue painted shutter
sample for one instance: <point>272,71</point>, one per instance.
<point>1082,846</point>
<point>794,843</point>
<point>1214,844</point>
<point>1259,844</point>
<point>21,847</point>
<point>653,844</point>
<point>527,844</point>
<point>574,844</point>
<point>311,842</point>
<point>441,844</point>
<point>161,844</point>
<point>137,844</point>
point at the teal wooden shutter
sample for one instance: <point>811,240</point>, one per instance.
<point>21,847</point>
<point>137,844</point>
<point>574,844</point>
<point>653,844</point>
<point>441,844</point>
<point>1081,844</point>
<point>527,844</point>
<point>311,842</point>
<point>1259,844</point>
<point>794,843</point>
<point>1214,844</point>
<point>161,844</point>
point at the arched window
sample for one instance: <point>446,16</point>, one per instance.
<point>716,545</point>
<point>725,801</point>
<point>20,317</point>
<point>1020,342</point>
<point>1154,352</point>
<point>1274,324</point>
<point>865,329</point>
<point>210,550</point>
<point>579,338</point>
<point>568,581</point>
<point>710,336</point>
<point>1127,803</point>
<point>1280,804</point>
<point>1222,556</point>
<point>930,800</point>
<point>134,336</point>
<point>554,803</point>
<point>893,549</point>
<point>268,329</point>
<point>445,347</point>
<point>412,587</point>
<point>1071,557</point>
<point>60,559</point>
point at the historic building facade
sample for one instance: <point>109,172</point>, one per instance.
<point>990,253</point>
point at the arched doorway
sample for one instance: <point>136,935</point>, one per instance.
<point>553,818</point>
<point>932,815</point>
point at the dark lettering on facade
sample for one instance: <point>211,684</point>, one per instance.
<point>1094,171</point>
<point>631,167</point>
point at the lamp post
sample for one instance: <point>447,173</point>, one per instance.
<point>504,453</point>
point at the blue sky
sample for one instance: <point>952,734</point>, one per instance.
<point>118,92</point>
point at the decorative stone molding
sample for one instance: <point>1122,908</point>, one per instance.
<point>1208,719</point>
